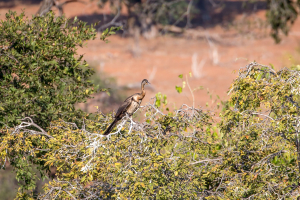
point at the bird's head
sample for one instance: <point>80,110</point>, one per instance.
<point>145,82</point>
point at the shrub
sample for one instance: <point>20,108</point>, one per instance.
<point>41,75</point>
<point>41,79</point>
<point>253,152</point>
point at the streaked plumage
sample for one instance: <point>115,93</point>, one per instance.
<point>130,105</point>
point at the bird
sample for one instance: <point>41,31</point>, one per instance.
<point>129,106</point>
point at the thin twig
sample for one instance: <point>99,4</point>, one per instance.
<point>206,160</point>
<point>187,82</point>
<point>112,22</point>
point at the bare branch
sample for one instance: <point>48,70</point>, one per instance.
<point>112,22</point>
<point>28,122</point>
<point>207,160</point>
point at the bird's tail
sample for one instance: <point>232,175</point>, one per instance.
<point>110,128</point>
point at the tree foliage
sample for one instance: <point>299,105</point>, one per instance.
<point>262,130</point>
<point>41,79</point>
<point>252,153</point>
<point>281,14</point>
<point>41,75</point>
<point>143,16</point>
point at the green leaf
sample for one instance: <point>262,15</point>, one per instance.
<point>178,89</point>
<point>259,76</point>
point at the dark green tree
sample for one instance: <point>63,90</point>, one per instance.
<point>281,15</point>
<point>41,79</point>
<point>253,152</point>
<point>41,75</point>
<point>143,16</point>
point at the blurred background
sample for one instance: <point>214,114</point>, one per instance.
<point>162,39</point>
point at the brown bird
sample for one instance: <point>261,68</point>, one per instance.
<point>130,105</point>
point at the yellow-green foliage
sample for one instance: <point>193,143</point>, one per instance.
<point>261,128</point>
<point>180,155</point>
<point>151,161</point>
<point>251,154</point>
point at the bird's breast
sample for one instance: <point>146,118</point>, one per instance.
<point>133,107</point>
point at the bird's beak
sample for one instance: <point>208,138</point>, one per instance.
<point>149,83</point>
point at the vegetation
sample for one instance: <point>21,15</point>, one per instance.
<point>41,77</point>
<point>253,151</point>
<point>143,15</point>
<point>281,15</point>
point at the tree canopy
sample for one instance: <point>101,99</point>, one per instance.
<point>281,14</point>
<point>41,75</point>
<point>253,152</point>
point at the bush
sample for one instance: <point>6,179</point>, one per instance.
<point>150,161</point>
<point>252,153</point>
<point>41,79</point>
<point>261,128</point>
<point>281,15</point>
<point>41,75</point>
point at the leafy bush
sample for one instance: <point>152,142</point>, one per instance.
<point>281,15</point>
<point>253,153</point>
<point>41,75</point>
<point>150,161</point>
<point>262,134</point>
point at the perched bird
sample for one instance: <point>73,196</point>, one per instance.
<point>130,105</point>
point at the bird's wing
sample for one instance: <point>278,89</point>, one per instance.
<point>122,109</point>
<point>130,97</point>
